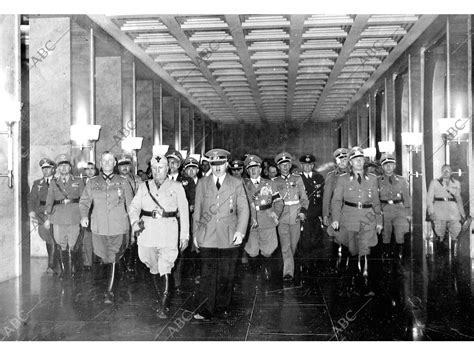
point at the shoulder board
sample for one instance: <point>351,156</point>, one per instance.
<point>344,174</point>
<point>94,177</point>
<point>372,174</point>
<point>296,174</point>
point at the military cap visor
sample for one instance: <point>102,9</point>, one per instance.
<point>283,158</point>
<point>46,163</point>
<point>340,153</point>
<point>356,154</point>
<point>217,156</point>
<point>388,160</point>
<point>236,164</point>
<point>307,158</point>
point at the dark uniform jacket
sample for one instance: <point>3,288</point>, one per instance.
<point>58,208</point>
<point>218,214</point>
<point>364,195</point>
<point>37,198</point>
<point>314,186</point>
<point>111,200</point>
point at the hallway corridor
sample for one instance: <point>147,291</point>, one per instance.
<point>428,299</point>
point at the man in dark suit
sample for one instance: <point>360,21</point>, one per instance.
<point>220,219</point>
<point>312,233</point>
<point>36,207</point>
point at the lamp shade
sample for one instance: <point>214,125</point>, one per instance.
<point>160,149</point>
<point>184,153</point>
<point>454,126</point>
<point>132,143</point>
<point>196,156</point>
<point>412,138</point>
<point>370,152</point>
<point>85,133</point>
<point>386,146</point>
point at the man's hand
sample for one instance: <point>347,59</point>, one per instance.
<point>326,221</point>
<point>409,219</point>
<point>238,237</point>
<point>47,224</point>
<point>335,225</point>
<point>138,226</point>
<point>432,216</point>
<point>301,217</point>
<point>275,217</point>
<point>183,244</point>
<point>195,242</point>
<point>34,219</point>
<point>85,222</point>
<point>379,228</point>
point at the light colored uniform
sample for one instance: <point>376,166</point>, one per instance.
<point>292,192</point>
<point>445,202</point>
<point>158,242</point>
<point>395,202</point>
<point>62,206</point>
<point>262,236</point>
<point>357,209</point>
<point>329,186</point>
<point>109,219</point>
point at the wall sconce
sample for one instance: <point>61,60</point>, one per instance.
<point>412,140</point>
<point>132,143</point>
<point>453,128</point>
<point>160,149</point>
<point>196,156</point>
<point>84,134</point>
<point>386,146</point>
<point>11,110</point>
<point>370,153</point>
<point>184,153</point>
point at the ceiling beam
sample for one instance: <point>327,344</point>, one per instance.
<point>242,50</point>
<point>353,37</point>
<point>418,28</point>
<point>296,36</point>
<point>175,29</point>
<point>108,26</point>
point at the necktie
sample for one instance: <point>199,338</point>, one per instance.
<point>256,182</point>
<point>390,180</point>
<point>64,181</point>
<point>47,182</point>
<point>218,184</point>
<point>359,179</point>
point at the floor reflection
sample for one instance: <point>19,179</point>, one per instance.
<point>415,299</point>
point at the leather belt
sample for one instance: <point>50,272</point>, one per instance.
<point>42,203</point>
<point>157,214</point>
<point>263,207</point>
<point>289,203</point>
<point>66,201</point>
<point>359,205</point>
<point>445,199</point>
<point>391,202</point>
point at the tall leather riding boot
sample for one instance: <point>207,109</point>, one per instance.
<point>75,267</point>
<point>50,250</point>
<point>385,251</point>
<point>161,295</point>
<point>65,265</point>
<point>353,274</point>
<point>109,294</point>
<point>400,251</point>
<point>266,268</point>
<point>254,264</point>
<point>454,247</point>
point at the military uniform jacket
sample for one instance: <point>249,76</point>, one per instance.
<point>37,198</point>
<point>161,232</point>
<point>329,186</point>
<point>134,181</point>
<point>314,186</point>
<point>65,214</point>
<point>398,190</point>
<point>111,199</point>
<point>189,188</point>
<point>292,192</point>
<point>445,210</point>
<point>260,196</point>
<point>218,214</point>
<point>349,190</point>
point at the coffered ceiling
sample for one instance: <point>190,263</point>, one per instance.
<point>268,68</point>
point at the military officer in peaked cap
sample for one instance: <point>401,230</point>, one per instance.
<point>312,234</point>
<point>111,195</point>
<point>154,213</point>
<point>130,259</point>
<point>236,168</point>
<point>445,206</point>
<point>395,203</point>
<point>175,160</point>
<point>292,192</point>
<point>340,156</point>
<point>191,169</point>
<point>355,209</point>
<point>36,207</point>
<point>261,194</point>
<point>62,208</point>
<point>220,220</point>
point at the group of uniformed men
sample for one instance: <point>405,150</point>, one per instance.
<point>177,214</point>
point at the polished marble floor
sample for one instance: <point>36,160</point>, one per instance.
<point>416,299</point>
